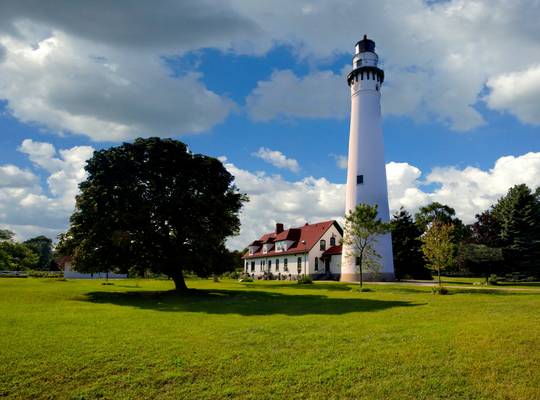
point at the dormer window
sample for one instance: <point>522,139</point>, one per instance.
<point>267,247</point>
<point>253,249</point>
<point>281,246</point>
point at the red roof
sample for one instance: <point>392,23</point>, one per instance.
<point>332,251</point>
<point>310,233</point>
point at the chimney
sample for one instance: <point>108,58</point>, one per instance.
<point>279,228</point>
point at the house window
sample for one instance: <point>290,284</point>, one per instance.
<point>299,264</point>
<point>285,267</point>
<point>357,260</point>
<point>332,241</point>
<point>359,179</point>
<point>269,265</point>
<point>253,266</point>
<point>322,244</point>
<point>316,263</point>
<point>277,265</point>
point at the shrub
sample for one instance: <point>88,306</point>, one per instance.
<point>493,280</point>
<point>439,290</point>
<point>45,274</point>
<point>234,275</point>
<point>304,280</point>
<point>245,278</point>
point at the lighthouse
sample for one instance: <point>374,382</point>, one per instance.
<point>366,172</point>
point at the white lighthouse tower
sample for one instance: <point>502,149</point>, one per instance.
<point>366,172</point>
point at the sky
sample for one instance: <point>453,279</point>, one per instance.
<point>262,86</point>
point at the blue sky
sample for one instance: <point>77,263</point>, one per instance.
<point>263,86</point>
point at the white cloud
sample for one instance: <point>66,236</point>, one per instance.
<point>66,85</point>
<point>403,187</point>
<point>319,95</point>
<point>518,93</point>
<point>98,71</point>
<point>12,176</point>
<point>341,160</point>
<point>469,190</point>
<point>273,199</point>
<point>437,57</point>
<point>277,159</point>
<point>26,207</point>
<point>29,209</point>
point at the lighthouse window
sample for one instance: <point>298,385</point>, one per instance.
<point>359,179</point>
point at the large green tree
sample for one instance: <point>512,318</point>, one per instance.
<point>406,246</point>
<point>15,256</point>
<point>42,246</point>
<point>363,228</point>
<point>437,212</point>
<point>518,214</point>
<point>486,230</point>
<point>153,205</point>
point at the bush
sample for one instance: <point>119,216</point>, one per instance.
<point>304,280</point>
<point>234,275</point>
<point>439,290</point>
<point>45,274</point>
<point>493,280</point>
<point>245,278</point>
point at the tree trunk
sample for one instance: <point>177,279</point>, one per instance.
<point>179,282</point>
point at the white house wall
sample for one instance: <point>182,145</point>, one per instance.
<point>308,262</point>
<point>317,252</point>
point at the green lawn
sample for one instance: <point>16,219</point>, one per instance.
<point>82,339</point>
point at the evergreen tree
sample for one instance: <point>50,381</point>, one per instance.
<point>518,214</point>
<point>406,245</point>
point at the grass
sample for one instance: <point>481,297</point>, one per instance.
<point>466,281</point>
<point>84,340</point>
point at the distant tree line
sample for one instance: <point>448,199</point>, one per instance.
<point>504,239</point>
<point>33,254</point>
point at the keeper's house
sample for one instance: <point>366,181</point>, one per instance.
<point>313,249</point>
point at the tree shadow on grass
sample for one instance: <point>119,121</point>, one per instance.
<point>242,302</point>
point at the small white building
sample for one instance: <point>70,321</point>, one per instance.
<point>313,249</point>
<point>65,264</point>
